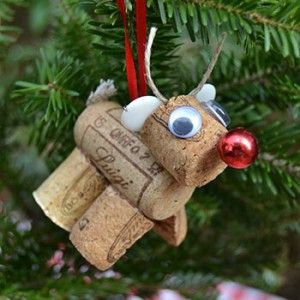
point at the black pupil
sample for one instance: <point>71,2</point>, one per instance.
<point>182,126</point>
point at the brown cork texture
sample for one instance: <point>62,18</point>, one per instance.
<point>70,190</point>
<point>108,228</point>
<point>194,161</point>
<point>127,163</point>
<point>173,230</point>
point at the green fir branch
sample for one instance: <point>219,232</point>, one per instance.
<point>8,33</point>
<point>269,24</point>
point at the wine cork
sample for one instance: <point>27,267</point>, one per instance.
<point>194,161</point>
<point>108,228</point>
<point>70,190</point>
<point>173,230</point>
<point>127,163</point>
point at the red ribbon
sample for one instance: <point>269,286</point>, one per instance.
<point>141,32</point>
<point>140,89</point>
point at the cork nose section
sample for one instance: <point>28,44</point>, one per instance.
<point>194,161</point>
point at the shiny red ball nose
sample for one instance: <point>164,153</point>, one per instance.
<point>238,148</point>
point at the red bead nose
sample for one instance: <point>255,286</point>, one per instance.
<point>238,148</point>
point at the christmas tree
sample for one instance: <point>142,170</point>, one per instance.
<point>244,226</point>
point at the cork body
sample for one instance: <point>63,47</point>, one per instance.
<point>73,187</point>
<point>127,163</point>
<point>70,190</point>
<point>108,228</point>
<point>194,161</point>
<point>173,230</point>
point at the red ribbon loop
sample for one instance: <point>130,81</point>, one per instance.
<point>141,32</point>
<point>136,88</point>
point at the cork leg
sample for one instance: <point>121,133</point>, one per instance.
<point>108,228</point>
<point>70,190</point>
<point>174,229</point>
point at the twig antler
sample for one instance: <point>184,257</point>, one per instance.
<point>210,66</point>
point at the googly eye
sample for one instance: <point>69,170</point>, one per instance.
<point>185,122</point>
<point>217,111</point>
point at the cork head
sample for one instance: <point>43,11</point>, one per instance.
<point>185,133</point>
<point>184,137</point>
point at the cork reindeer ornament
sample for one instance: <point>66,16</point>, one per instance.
<point>134,169</point>
<point>80,199</point>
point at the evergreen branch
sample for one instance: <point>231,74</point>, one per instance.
<point>8,33</point>
<point>208,18</point>
<point>7,9</point>
<point>14,188</point>
<point>276,170</point>
<point>285,165</point>
<point>257,77</point>
<point>251,15</point>
<point>263,76</point>
<point>55,96</point>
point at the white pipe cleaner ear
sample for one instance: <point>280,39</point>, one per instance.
<point>136,113</point>
<point>207,93</point>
